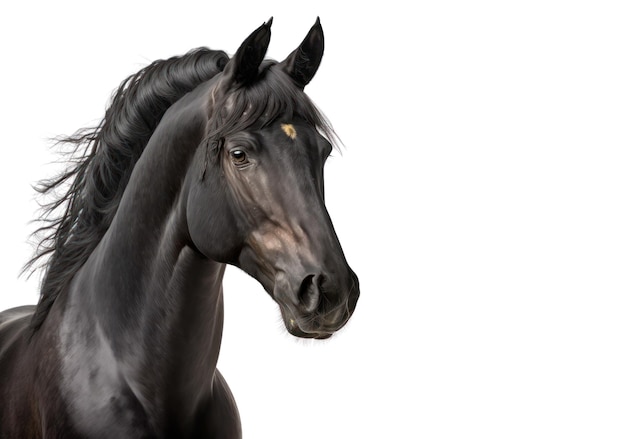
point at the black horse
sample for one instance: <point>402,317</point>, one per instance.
<point>199,162</point>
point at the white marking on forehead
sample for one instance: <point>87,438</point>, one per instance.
<point>289,130</point>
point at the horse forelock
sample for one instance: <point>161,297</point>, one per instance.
<point>271,97</point>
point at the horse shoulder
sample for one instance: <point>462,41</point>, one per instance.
<point>17,413</point>
<point>14,328</point>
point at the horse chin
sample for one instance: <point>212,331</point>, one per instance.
<point>297,332</point>
<point>294,329</point>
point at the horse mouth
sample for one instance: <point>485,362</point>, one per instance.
<point>297,329</point>
<point>291,323</point>
<point>314,325</point>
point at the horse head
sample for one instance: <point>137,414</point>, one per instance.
<point>259,201</point>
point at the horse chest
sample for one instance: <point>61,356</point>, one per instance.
<point>99,399</point>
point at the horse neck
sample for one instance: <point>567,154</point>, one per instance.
<point>145,299</point>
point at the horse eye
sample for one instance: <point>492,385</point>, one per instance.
<point>239,157</point>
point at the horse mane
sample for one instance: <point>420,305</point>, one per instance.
<point>85,197</point>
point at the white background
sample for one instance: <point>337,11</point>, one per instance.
<point>480,197</point>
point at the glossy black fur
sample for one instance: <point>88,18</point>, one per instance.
<point>201,161</point>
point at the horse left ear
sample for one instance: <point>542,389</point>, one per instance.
<point>303,62</point>
<point>243,67</point>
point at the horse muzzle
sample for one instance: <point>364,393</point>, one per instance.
<point>319,306</point>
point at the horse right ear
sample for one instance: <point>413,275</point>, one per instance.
<point>303,62</point>
<point>243,67</point>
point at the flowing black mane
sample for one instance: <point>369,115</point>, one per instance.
<point>103,159</point>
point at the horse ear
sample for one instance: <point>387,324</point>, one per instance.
<point>243,67</point>
<point>303,62</point>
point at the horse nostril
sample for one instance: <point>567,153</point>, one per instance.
<point>309,294</point>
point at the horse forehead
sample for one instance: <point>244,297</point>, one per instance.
<point>289,130</point>
<point>294,132</point>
